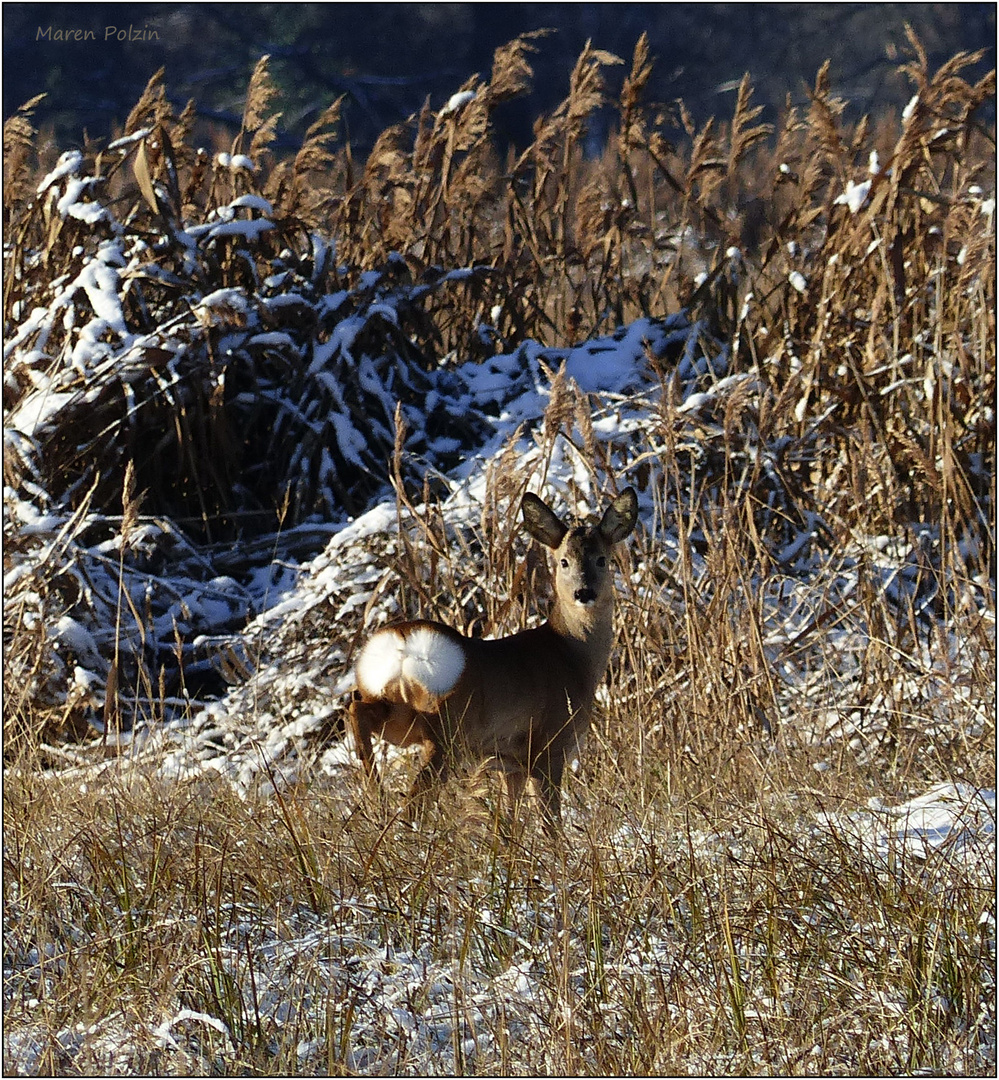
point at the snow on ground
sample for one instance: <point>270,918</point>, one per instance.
<point>266,625</point>
<point>954,822</point>
<point>402,1009</point>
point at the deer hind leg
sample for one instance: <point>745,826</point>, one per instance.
<point>394,721</point>
<point>364,718</point>
<point>433,773</point>
<point>515,782</point>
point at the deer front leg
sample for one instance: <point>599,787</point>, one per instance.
<point>515,783</point>
<point>547,774</point>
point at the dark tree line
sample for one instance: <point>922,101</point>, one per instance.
<point>387,59</point>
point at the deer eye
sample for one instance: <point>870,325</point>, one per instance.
<point>564,563</point>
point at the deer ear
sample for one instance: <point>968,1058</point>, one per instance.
<point>620,517</point>
<point>541,521</point>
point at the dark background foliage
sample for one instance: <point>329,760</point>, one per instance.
<point>388,58</point>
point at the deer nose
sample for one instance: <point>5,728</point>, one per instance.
<point>585,595</point>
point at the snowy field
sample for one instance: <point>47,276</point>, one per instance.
<point>780,837</point>
<point>483,999</point>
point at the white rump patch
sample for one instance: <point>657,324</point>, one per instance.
<point>424,656</point>
<point>380,662</point>
<point>433,660</point>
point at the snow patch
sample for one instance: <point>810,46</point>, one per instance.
<point>855,195</point>
<point>457,101</point>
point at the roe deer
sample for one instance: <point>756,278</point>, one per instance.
<point>523,701</point>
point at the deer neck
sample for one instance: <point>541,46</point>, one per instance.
<point>587,631</point>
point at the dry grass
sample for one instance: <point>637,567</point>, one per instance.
<point>807,620</point>
<point>689,924</point>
